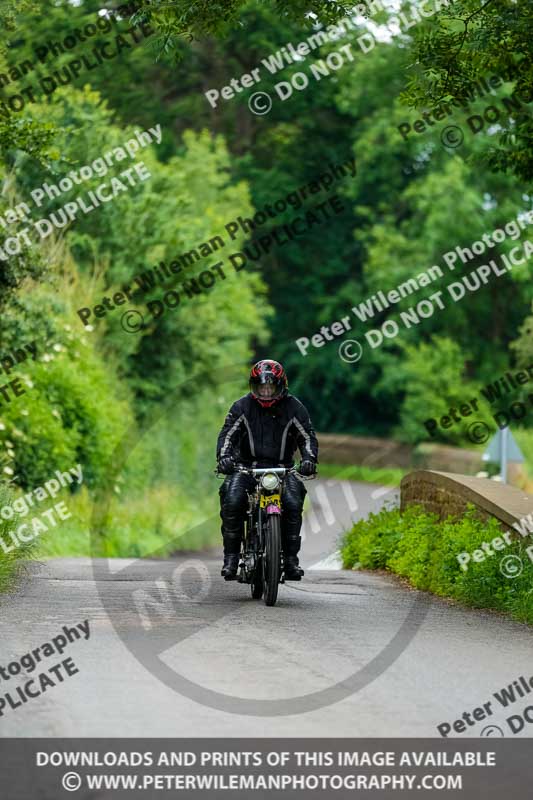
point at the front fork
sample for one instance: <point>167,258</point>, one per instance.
<point>264,514</point>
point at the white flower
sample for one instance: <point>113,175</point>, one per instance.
<point>56,413</point>
<point>18,433</point>
<point>11,453</point>
<point>47,357</point>
<point>2,426</point>
<point>30,385</point>
<point>25,411</point>
<point>89,328</point>
<point>67,327</point>
<point>58,348</point>
<point>8,471</point>
<point>8,443</point>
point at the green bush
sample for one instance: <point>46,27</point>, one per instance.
<point>418,546</point>
<point>433,376</point>
<point>71,413</point>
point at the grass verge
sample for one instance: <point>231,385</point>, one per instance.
<point>386,477</point>
<point>161,521</point>
<point>418,546</point>
<point>12,558</point>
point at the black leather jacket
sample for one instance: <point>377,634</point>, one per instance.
<point>257,436</point>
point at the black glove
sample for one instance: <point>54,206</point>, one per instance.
<point>307,468</point>
<point>226,465</point>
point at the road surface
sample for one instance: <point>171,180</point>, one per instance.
<point>344,653</point>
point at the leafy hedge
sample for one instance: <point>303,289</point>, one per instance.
<point>418,546</point>
<point>72,413</point>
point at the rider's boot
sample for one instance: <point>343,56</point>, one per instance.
<point>232,549</point>
<point>291,548</point>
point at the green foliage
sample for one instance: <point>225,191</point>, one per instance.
<point>26,135</point>
<point>183,19</point>
<point>417,546</point>
<point>187,201</point>
<point>466,42</point>
<point>523,345</point>
<point>71,412</point>
<point>9,11</point>
<point>22,133</point>
<point>371,541</point>
<point>404,222</point>
<point>434,382</point>
<point>397,221</point>
<point>92,394</point>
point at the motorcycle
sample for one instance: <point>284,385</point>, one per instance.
<point>261,565</point>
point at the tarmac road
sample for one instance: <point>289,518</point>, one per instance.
<point>175,651</point>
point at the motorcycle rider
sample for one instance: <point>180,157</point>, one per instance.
<point>263,429</point>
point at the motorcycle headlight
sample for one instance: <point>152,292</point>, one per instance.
<point>270,481</point>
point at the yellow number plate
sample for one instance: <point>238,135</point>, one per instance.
<point>272,499</point>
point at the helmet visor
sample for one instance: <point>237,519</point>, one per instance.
<point>266,388</point>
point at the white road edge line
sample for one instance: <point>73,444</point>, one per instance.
<point>331,562</point>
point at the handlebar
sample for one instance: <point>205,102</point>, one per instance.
<point>256,471</point>
<point>263,470</point>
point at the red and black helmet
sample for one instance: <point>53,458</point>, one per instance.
<point>268,382</point>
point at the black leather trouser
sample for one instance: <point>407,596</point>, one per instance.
<point>234,504</point>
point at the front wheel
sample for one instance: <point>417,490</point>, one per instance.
<point>272,559</point>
